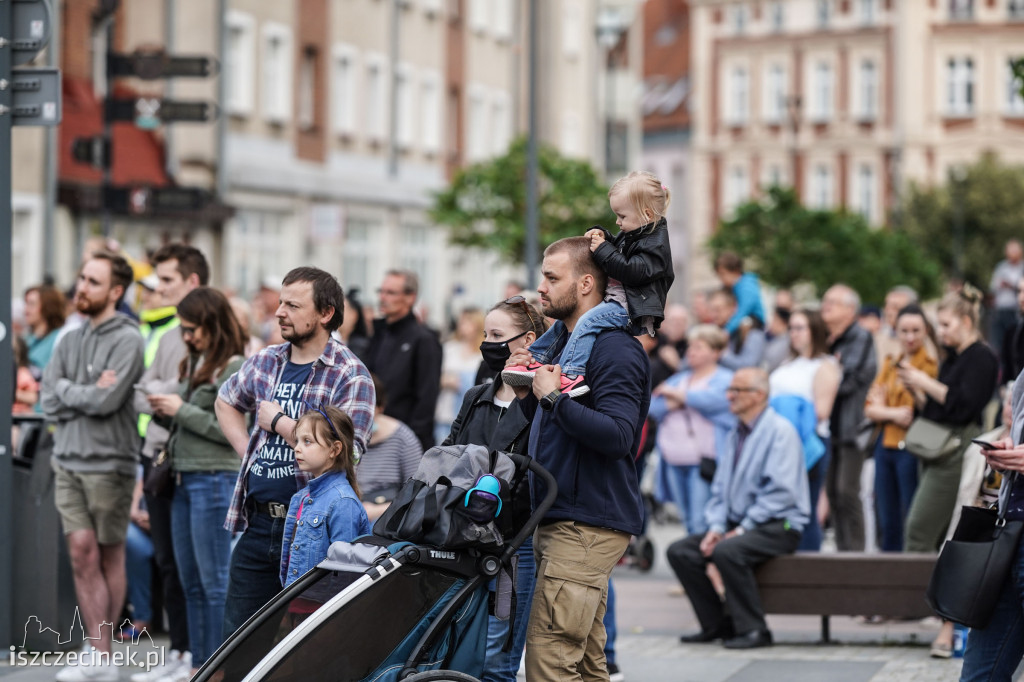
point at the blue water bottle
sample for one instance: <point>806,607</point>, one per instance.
<point>483,502</point>
<point>959,640</point>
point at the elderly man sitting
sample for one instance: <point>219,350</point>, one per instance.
<point>759,505</point>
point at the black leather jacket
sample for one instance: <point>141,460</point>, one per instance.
<point>642,261</point>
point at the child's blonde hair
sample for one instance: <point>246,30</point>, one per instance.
<point>645,192</point>
<point>339,431</point>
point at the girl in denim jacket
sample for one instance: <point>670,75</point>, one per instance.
<point>328,509</point>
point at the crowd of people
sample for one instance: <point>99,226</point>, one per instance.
<point>210,438</point>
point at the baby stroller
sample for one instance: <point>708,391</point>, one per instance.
<point>382,609</point>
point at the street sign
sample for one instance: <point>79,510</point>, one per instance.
<point>30,29</point>
<point>144,200</point>
<point>150,112</point>
<point>151,65</point>
<point>36,97</point>
<point>94,151</point>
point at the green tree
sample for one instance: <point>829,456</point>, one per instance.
<point>787,243</point>
<point>985,205</point>
<point>485,205</point>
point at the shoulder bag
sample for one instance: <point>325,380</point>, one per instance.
<point>930,440</point>
<point>970,572</point>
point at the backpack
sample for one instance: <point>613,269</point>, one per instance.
<point>434,508</point>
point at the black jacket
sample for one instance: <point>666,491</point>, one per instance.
<point>481,422</point>
<point>642,261</point>
<point>406,357</point>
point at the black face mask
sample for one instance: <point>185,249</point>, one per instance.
<point>496,353</point>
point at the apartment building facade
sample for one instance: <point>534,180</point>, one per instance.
<point>339,119</point>
<point>848,101</point>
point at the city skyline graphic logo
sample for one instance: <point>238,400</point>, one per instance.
<point>131,655</point>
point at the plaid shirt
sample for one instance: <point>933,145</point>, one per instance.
<point>338,378</point>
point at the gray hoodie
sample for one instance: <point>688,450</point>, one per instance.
<point>96,427</point>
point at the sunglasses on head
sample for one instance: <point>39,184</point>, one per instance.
<point>521,300</point>
<point>330,424</point>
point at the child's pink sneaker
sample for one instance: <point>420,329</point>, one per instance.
<point>520,375</point>
<point>574,386</point>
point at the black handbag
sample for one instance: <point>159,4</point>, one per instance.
<point>972,568</point>
<point>160,479</point>
<point>707,468</point>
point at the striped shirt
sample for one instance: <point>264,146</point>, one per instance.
<point>391,462</point>
<point>337,378</point>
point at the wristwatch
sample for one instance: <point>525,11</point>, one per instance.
<point>548,401</point>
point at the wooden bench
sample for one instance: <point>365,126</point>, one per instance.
<point>846,584</point>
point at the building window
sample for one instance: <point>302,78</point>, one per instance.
<point>430,106</point>
<point>777,16</point>
<point>405,106</point>
<point>343,92</point>
<point>737,188</point>
<point>306,115</point>
<point>868,11</point>
<point>1014,99</point>
<point>358,254</point>
<point>739,19</point>
<point>277,73</point>
<point>502,24</point>
<point>501,124</point>
<point>432,7</point>
<point>868,90</point>
<point>239,62</point>
<point>821,187</point>
<point>376,98</point>
<point>822,95</point>
<point>477,147</point>
<point>774,176</point>
<point>823,11</point>
<point>569,136</point>
<point>775,93</point>
<point>572,28</point>
<point>961,10</point>
<point>414,254</point>
<point>960,86</point>
<point>478,15</point>
<point>739,96</point>
<point>866,192</point>
<point>1015,9</point>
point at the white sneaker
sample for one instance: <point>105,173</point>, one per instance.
<point>175,660</point>
<point>182,674</point>
<point>89,669</point>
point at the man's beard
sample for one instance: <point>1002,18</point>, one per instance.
<point>89,307</point>
<point>562,308</point>
<point>298,339</point>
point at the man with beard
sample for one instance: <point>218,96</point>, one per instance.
<point>589,445</point>
<point>87,392</point>
<point>309,371</point>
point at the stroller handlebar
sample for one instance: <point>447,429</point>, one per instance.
<point>551,486</point>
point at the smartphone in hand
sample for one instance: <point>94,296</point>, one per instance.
<point>985,445</point>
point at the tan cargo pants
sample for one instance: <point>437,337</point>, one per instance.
<point>565,637</point>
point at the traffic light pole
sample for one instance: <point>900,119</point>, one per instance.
<point>6,360</point>
<point>108,128</point>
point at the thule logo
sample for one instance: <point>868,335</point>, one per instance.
<point>434,554</point>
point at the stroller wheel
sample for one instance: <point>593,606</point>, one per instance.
<point>440,676</point>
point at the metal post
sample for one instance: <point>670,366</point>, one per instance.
<point>50,159</point>
<point>6,361</point>
<point>532,163</point>
<point>170,159</point>
<point>957,180</point>
<point>108,130</point>
<point>222,96</point>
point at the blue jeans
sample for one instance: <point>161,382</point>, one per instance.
<point>609,626</point>
<point>254,577</point>
<point>138,551</point>
<point>994,652</point>
<point>690,493</point>
<point>810,540</point>
<point>602,317</point>
<point>202,550</point>
<point>503,665</point>
<point>895,483</point>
